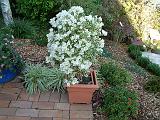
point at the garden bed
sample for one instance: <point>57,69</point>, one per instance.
<point>149,102</point>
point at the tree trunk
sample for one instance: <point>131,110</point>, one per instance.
<point>6,11</point>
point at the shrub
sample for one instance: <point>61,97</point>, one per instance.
<point>115,75</point>
<point>90,6</point>
<point>40,39</point>
<point>8,56</point>
<point>74,42</point>
<point>135,54</point>
<point>120,103</point>
<point>22,29</point>
<point>113,13</point>
<point>135,51</point>
<point>40,78</point>
<point>41,10</point>
<point>154,68</point>
<point>153,85</point>
<point>143,61</point>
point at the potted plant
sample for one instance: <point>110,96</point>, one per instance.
<point>73,45</point>
<point>10,62</point>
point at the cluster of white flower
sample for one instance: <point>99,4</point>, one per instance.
<point>74,40</point>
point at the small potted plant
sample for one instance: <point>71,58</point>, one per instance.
<point>10,62</point>
<point>73,45</point>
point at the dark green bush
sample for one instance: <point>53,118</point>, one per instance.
<point>143,61</point>
<point>153,85</point>
<point>120,103</point>
<point>154,68</point>
<point>135,54</point>
<point>41,10</point>
<point>40,39</point>
<point>115,75</point>
<point>132,47</point>
<point>134,51</point>
<point>22,29</point>
<point>90,6</point>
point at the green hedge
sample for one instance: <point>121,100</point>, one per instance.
<point>41,10</point>
<point>136,53</point>
<point>115,75</point>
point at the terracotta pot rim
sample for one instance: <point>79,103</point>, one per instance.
<point>94,80</point>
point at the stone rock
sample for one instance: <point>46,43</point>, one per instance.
<point>155,58</point>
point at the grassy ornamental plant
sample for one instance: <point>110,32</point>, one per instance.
<point>74,42</point>
<point>39,78</point>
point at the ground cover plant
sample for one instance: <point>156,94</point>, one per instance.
<point>153,84</point>
<point>119,103</point>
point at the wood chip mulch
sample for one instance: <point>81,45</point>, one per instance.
<point>29,52</point>
<point>149,102</point>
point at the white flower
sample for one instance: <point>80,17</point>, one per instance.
<point>47,59</point>
<point>104,33</point>
<point>73,42</point>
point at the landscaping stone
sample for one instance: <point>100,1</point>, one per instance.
<point>155,58</point>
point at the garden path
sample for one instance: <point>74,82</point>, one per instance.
<point>16,104</point>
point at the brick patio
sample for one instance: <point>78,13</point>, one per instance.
<point>16,104</point>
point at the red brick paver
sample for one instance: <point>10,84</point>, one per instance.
<point>7,111</point>
<point>3,117</point>
<point>55,97</point>
<point>27,112</point>
<point>44,96</point>
<point>4,103</point>
<point>16,104</point>
<point>34,97</point>
<point>62,106</point>
<point>18,118</point>
<point>20,104</point>
<point>43,105</point>
<point>23,95</point>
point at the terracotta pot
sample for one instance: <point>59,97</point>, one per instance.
<point>82,93</point>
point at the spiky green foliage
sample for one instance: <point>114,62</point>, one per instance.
<point>22,29</point>
<point>39,78</point>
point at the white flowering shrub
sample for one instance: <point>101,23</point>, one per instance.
<point>74,42</point>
